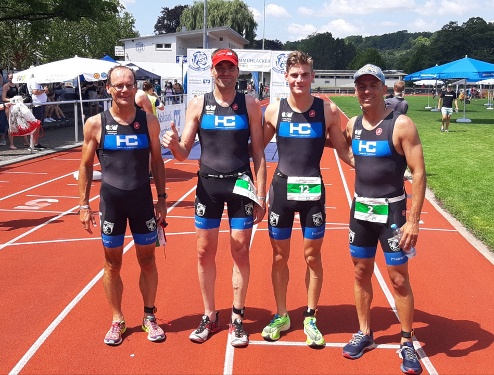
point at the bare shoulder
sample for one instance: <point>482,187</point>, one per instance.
<point>404,126</point>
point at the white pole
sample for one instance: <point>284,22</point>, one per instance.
<point>205,28</point>
<point>263,33</point>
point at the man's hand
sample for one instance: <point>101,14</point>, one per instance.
<point>170,138</point>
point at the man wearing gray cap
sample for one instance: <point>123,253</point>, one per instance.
<point>384,142</point>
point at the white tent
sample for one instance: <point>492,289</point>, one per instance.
<point>167,71</point>
<point>428,82</point>
<point>67,70</point>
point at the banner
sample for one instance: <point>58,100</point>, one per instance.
<point>254,60</point>
<point>175,113</point>
<point>278,87</point>
<point>199,80</point>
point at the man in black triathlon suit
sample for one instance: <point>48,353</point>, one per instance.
<point>302,124</point>
<point>225,120</point>
<point>125,138</point>
<point>384,142</point>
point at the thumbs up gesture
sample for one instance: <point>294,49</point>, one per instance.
<point>170,138</point>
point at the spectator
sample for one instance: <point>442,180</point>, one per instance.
<point>168,93</point>
<point>153,97</point>
<point>177,91</point>
<point>38,97</point>
<point>157,88</point>
<point>397,102</point>
<point>445,104</point>
<point>10,90</point>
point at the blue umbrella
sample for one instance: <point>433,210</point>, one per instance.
<point>466,68</point>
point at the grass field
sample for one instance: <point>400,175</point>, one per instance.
<point>459,164</point>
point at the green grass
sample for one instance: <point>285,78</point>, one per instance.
<point>459,164</point>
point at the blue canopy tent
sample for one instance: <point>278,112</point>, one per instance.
<point>465,68</point>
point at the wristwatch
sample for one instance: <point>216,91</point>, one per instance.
<point>164,195</point>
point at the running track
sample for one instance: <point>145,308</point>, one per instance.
<point>55,315</point>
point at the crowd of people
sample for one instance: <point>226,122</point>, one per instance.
<point>380,144</point>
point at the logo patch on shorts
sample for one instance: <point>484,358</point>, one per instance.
<point>273,219</point>
<point>200,209</point>
<point>108,227</point>
<point>249,209</point>
<point>317,219</point>
<point>151,224</point>
<point>393,244</point>
<point>351,236</point>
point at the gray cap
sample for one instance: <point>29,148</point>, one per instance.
<point>370,70</point>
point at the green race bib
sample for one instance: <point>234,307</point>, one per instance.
<point>303,188</point>
<point>374,210</point>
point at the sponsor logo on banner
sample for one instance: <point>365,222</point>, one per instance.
<point>280,63</point>
<point>199,61</point>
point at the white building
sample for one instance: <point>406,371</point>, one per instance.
<point>161,53</point>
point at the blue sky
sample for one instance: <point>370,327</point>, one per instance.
<point>290,20</point>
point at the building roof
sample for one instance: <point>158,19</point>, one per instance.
<point>190,34</point>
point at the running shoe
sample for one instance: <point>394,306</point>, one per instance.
<point>155,333</point>
<point>40,147</point>
<point>358,345</point>
<point>114,335</point>
<point>279,324</point>
<point>315,338</point>
<point>205,328</point>
<point>3,142</point>
<point>442,128</point>
<point>411,363</point>
<point>239,337</point>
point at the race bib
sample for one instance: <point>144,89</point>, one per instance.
<point>374,210</point>
<point>303,188</point>
<point>245,187</point>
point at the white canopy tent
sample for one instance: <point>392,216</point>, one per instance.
<point>167,71</point>
<point>67,70</point>
<point>429,82</point>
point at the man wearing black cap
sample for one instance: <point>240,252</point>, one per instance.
<point>445,104</point>
<point>225,120</point>
<point>384,142</point>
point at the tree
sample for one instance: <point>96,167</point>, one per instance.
<point>369,56</point>
<point>169,21</point>
<point>234,14</point>
<point>32,43</point>
<point>273,45</point>
<point>70,10</point>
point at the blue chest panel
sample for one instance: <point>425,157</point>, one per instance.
<point>370,148</point>
<point>218,122</point>
<point>125,141</point>
<point>301,129</point>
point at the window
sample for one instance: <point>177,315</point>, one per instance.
<point>163,46</point>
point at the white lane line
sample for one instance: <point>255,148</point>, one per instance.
<point>12,172</point>
<point>37,344</point>
<point>420,351</point>
<point>328,344</point>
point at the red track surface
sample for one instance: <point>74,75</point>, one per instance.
<point>55,315</point>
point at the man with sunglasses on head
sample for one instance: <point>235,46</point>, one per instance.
<point>125,139</point>
<point>225,121</point>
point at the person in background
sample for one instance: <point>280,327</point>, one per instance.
<point>168,93</point>
<point>38,96</point>
<point>10,90</point>
<point>397,102</point>
<point>147,87</point>
<point>384,144</point>
<point>302,124</point>
<point>445,104</point>
<point>177,91</point>
<point>225,121</point>
<point>125,139</point>
<point>157,88</point>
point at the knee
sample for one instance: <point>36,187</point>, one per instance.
<point>363,273</point>
<point>400,284</point>
<point>313,261</point>
<point>113,265</point>
<point>147,262</point>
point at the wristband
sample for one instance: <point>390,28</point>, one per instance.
<point>261,198</point>
<point>164,195</point>
<point>84,207</point>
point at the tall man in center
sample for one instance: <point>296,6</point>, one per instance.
<point>225,121</point>
<point>302,124</point>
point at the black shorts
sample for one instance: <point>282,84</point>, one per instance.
<point>364,235</point>
<point>212,194</point>
<point>282,212</point>
<point>117,206</point>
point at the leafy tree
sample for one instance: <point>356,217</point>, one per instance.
<point>273,45</point>
<point>369,56</point>
<point>32,43</point>
<point>70,10</point>
<point>234,13</point>
<point>169,21</point>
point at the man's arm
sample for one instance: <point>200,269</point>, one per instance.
<point>407,142</point>
<point>157,166</point>
<point>257,147</point>
<point>143,101</point>
<point>92,134</point>
<point>270,122</point>
<point>336,138</point>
